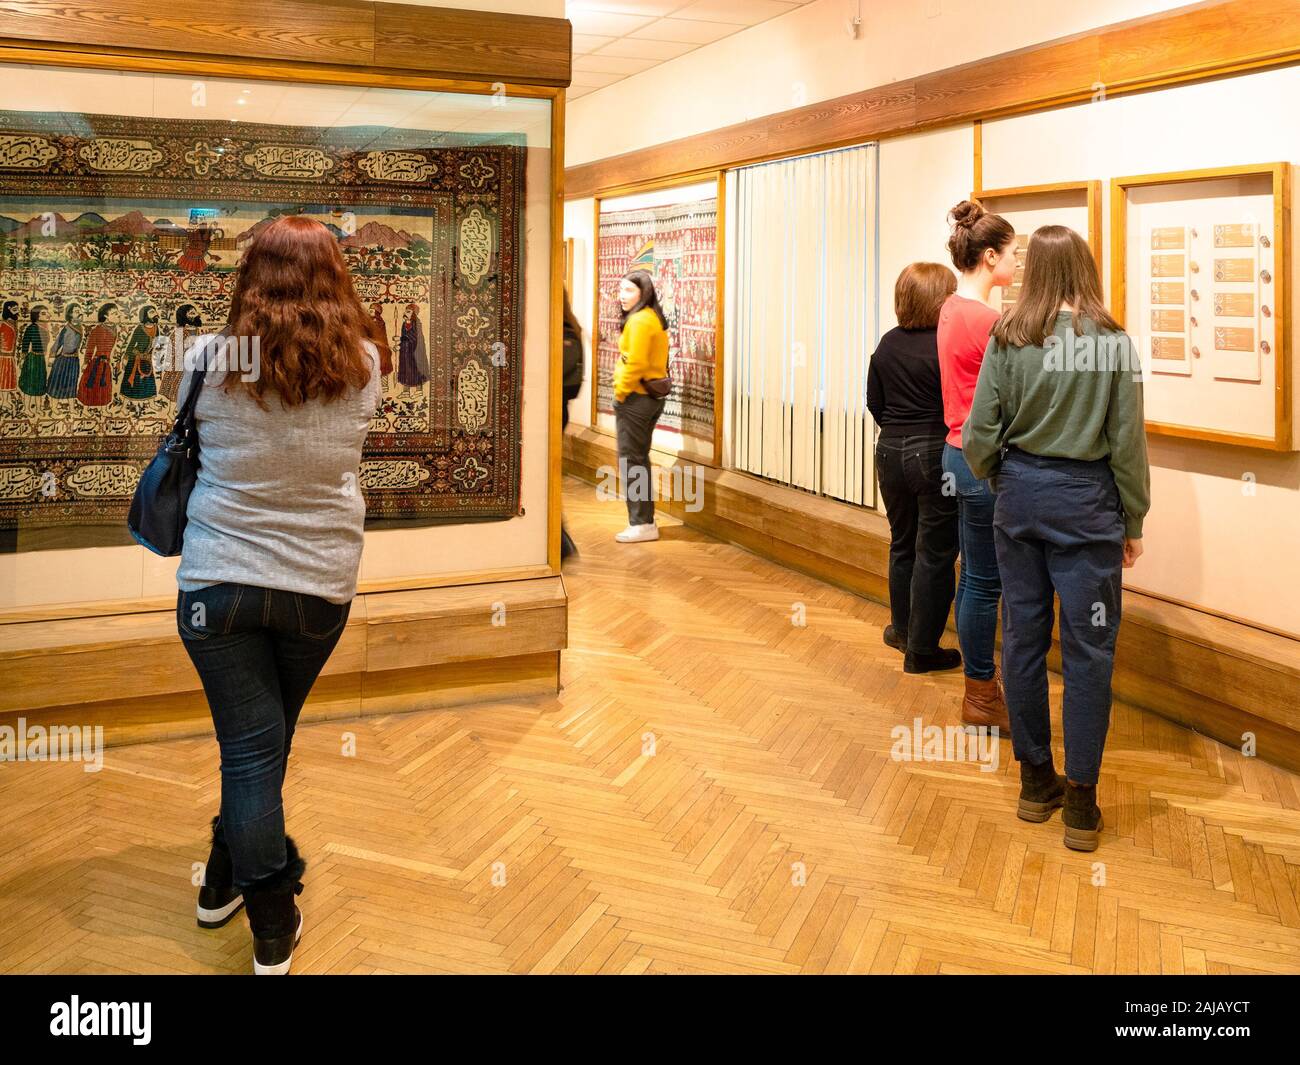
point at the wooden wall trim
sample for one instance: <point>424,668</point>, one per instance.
<point>1204,40</point>
<point>474,44</point>
<point>380,37</point>
<point>53,663</point>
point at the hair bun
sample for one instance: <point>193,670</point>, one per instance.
<point>966,214</point>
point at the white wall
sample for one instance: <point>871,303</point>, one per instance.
<point>922,177</point>
<point>805,57</point>
<point>579,223</point>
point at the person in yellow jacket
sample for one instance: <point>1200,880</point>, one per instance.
<point>643,356</point>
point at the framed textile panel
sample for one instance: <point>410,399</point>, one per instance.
<point>677,244</point>
<point>1199,276</point>
<point>120,237</point>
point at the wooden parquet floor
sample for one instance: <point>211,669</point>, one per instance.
<point>712,790</point>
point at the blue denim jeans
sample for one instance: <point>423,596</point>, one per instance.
<point>258,652</point>
<point>978,584</point>
<point>1060,529</point>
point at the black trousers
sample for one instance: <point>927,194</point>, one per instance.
<point>634,425</point>
<point>922,537</point>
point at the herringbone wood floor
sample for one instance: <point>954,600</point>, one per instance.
<point>769,831</point>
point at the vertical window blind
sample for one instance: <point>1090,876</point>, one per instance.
<point>802,320</point>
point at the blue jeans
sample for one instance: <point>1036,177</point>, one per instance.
<point>1060,529</point>
<point>979,584</point>
<point>258,652</point>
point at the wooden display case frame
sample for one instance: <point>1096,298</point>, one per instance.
<point>194,64</point>
<point>1280,177</point>
<point>719,177</point>
<point>1089,191</point>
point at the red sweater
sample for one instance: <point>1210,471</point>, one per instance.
<point>964,326</point>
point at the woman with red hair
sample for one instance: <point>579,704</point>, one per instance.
<point>272,546</point>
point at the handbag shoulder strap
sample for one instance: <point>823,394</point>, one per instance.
<point>185,413</point>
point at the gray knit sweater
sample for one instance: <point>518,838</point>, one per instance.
<point>278,503</point>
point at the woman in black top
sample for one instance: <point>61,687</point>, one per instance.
<point>905,398</point>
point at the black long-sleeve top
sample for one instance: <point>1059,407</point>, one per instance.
<point>904,394</point>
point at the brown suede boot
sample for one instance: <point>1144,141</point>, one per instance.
<point>983,705</point>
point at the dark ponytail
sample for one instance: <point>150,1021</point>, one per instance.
<point>974,231</point>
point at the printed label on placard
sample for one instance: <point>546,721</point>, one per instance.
<point>1168,237</point>
<point>1229,338</point>
<point>1168,348</point>
<point>1234,304</point>
<point>1168,292</point>
<point>1235,236</point>
<point>1168,322</point>
<point>1022,241</point>
<point>1011,293</point>
<point>1168,266</point>
<point>1234,269</point>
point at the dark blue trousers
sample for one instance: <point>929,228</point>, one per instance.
<point>1059,528</point>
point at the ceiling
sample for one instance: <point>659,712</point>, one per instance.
<point>614,39</point>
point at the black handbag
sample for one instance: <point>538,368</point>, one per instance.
<point>157,515</point>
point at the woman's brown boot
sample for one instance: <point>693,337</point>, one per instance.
<point>982,705</point>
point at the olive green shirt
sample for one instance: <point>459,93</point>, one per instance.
<point>1074,397</point>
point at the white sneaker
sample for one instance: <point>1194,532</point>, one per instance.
<point>638,534</point>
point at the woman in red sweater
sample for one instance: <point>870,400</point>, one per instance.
<point>983,248</point>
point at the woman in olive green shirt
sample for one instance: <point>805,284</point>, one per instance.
<point>1057,417</point>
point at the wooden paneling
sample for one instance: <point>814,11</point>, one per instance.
<point>324,31</point>
<point>474,44</point>
<point>1218,676</point>
<point>52,663</point>
<point>831,123</point>
<point>1049,73</point>
<point>380,37</point>
<point>1198,41</point>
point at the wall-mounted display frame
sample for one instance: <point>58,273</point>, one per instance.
<point>544,237</point>
<point>1076,204</point>
<point>694,411</point>
<point>1200,278</point>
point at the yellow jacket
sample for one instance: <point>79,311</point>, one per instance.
<point>644,354</point>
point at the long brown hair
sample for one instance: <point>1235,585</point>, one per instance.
<point>1059,269</point>
<point>294,294</point>
<point>975,231</point>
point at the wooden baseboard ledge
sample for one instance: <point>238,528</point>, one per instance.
<point>400,651</point>
<point>1216,676</point>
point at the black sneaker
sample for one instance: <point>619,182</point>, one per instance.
<point>273,916</point>
<point>273,956</point>
<point>892,639</point>
<point>219,901</point>
<point>934,661</point>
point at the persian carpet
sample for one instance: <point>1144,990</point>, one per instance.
<point>677,245</point>
<point>117,233</point>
